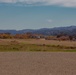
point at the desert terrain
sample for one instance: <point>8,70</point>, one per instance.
<point>37,63</point>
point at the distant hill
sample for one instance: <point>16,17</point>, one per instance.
<point>70,30</point>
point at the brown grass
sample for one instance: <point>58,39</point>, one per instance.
<point>38,41</point>
<point>8,45</point>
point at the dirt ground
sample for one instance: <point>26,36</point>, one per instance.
<point>37,63</point>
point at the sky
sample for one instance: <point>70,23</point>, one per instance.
<point>36,14</point>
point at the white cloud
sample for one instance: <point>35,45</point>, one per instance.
<point>49,20</point>
<point>66,3</point>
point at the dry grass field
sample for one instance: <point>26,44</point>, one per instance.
<point>37,45</point>
<point>40,41</point>
<point>37,57</point>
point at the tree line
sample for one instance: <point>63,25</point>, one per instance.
<point>29,35</point>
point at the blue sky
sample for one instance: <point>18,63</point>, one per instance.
<point>35,14</point>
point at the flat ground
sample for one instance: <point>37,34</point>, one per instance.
<point>7,45</point>
<point>39,41</point>
<point>37,63</point>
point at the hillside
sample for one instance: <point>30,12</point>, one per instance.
<point>70,30</point>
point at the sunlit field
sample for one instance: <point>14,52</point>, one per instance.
<point>36,45</point>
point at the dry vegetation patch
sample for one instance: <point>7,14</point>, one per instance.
<point>37,45</point>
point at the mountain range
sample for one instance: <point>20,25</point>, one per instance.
<point>70,30</point>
